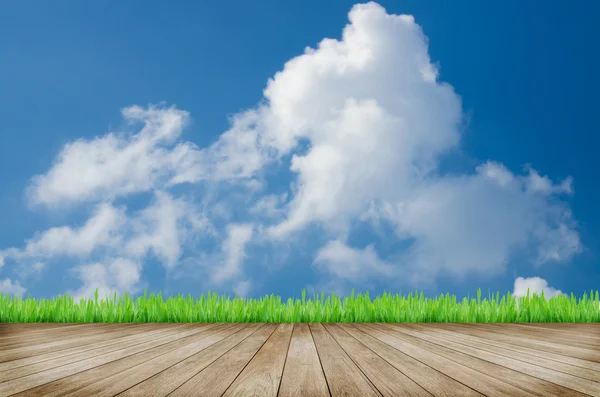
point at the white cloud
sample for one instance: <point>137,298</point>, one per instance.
<point>101,230</point>
<point>351,264</point>
<point>270,206</point>
<point>159,228</point>
<point>242,288</point>
<point>238,235</point>
<point>473,223</point>
<point>535,285</point>
<point>10,288</point>
<point>120,275</point>
<point>115,164</point>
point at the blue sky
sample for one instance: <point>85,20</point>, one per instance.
<point>265,147</point>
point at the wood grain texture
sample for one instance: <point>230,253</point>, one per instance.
<point>509,336</point>
<point>343,376</point>
<point>116,341</point>
<point>498,349</point>
<point>386,379</point>
<point>303,375</point>
<point>262,375</point>
<point>549,335</point>
<point>454,364</point>
<point>533,380</point>
<point>213,365</point>
<point>435,382</point>
<point>115,384</point>
<point>66,378</point>
<point>300,360</point>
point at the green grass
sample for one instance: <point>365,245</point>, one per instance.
<point>360,308</point>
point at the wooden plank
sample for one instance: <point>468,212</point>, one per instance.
<point>589,369</point>
<point>435,382</point>
<point>169,380</point>
<point>58,381</point>
<point>302,373</point>
<point>584,354</point>
<point>262,375</point>
<point>444,360</point>
<point>110,346</point>
<point>547,335</point>
<point>343,376</point>
<point>211,378</point>
<point>10,331</point>
<point>33,349</point>
<point>573,329</point>
<point>481,337</point>
<point>472,348</point>
<point>120,382</point>
<point>122,336</point>
<point>55,335</point>
<point>387,379</point>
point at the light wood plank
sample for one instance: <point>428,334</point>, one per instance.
<point>577,367</point>
<point>86,352</point>
<point>212,379</point>
<point>584,354</point>
<point>117,383</point>
<point>547,335</point>
<point>473,348</point>
<point>435,382</point>
<point>480,336</point>
<point>262,375</point>
<point>167,381</point>
<point>573,330</point>
<point>482,382</point>
<point>12,331</point>
<point>343,376</point>
<point>56,335</point>
<point>59,380</point>
<point>33,349</point>
<point>302,373</point>
<point>387,379</point>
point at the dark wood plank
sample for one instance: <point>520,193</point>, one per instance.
<point>169,380</point>
<point>85,352</point>
<point>474,349</point>
<point>435,382</point>
<point>343,376</point>
<point>58,381</point>
<point>445,361</point>
<point>262,375</point>
<point>387,379</point>
<point>553,347</point>
<point>302,373</point>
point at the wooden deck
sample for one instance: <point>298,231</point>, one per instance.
<point>299,360</point>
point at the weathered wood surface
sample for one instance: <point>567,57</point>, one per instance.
<point>299,359</point>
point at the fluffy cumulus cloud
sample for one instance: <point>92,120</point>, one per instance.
<point>535,285</point>
<point>9,287</point>
<point>115,164</point>
<point>351,264</point>
<point>362,122</point>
